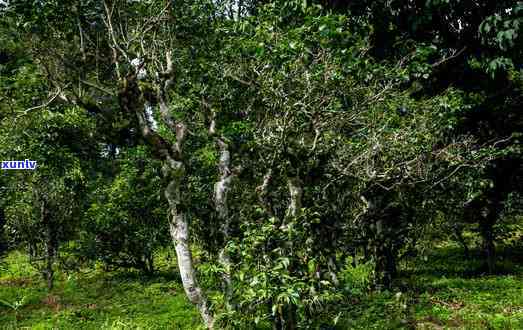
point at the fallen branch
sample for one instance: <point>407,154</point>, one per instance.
<point>51,100</point>
<point>445,59</point>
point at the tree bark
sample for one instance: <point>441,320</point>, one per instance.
<point>263,193</point>
<point>295,192</point>
<point>132,101</point>
<point>179,230</point>
<point>294,184</point>
<point>459,235</point>
<point>221,191</point>
<point>385,269</point>
<point>51,243</point>
<point>488,246</point>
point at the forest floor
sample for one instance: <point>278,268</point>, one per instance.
<point>438,293</point>
<point>93,299</point>
<point>447,291</point>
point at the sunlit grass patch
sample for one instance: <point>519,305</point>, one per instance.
<point>91,300</point>
<point>455,297</point>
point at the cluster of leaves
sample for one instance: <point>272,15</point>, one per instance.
<point>125,223</point>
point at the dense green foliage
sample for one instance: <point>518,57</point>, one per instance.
<point>125,222</point>
<point>297,153</point>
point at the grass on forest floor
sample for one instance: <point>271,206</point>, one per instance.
<point>443,292</point>
<point>91,300</point>
<point>456,292</point>
<point>446,291</point>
